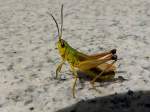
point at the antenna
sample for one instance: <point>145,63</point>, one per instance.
<point>61,20</point>
<point>56,24</point>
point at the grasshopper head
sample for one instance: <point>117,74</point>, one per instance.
<point>61,44</point>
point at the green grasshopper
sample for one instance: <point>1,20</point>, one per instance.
<point>96,66</point>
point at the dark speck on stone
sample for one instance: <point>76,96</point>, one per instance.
<point>31,108</point>
<point>10,67</point>
<point>130,92</point>
<point>39,69</point>
<point>1,105</point>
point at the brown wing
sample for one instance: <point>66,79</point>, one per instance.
<point>106,65</point>
<point>100,55</point>
<point>83,57</point>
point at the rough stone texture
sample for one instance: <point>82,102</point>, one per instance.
<point>28,55</point>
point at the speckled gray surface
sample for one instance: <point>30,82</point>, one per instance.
<point>28,55</point>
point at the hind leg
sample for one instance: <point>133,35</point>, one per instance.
<point>106,77</point>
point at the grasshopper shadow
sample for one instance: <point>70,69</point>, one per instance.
<point>84,77</point>
<point>131,101</point>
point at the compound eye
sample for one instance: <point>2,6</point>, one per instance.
<point>62,44</point>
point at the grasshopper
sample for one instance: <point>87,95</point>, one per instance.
<point>97,66</point>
